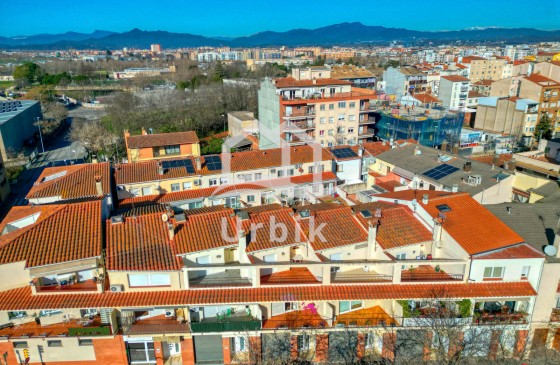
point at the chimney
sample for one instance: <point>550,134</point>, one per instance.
<point>360,151</point>
<point>161,171</point>
<point>144,131</point>
<point>170,231</point>
<point>126,134</point>
<point>511,165</point>
<point>508,210</point>
<point>242,247</point>
<point>425,199</point>
<point>455,188</point>
<point>467,167</point>
<point>496,160</point>
<point>371,240</point>
<point>99,186</point>
<point>455,149</point>
<point>198,163</point>
<point>444,146</point>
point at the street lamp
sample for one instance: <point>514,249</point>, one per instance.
<point>40,134</point>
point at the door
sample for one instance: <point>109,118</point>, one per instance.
<point>208,350</point>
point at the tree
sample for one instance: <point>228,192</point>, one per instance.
<point>93,136</point>
<point>543,128</point>
<point>27,73</point>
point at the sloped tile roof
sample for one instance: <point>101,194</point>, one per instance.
<point>287,82</point>
<point>523,251</point>
<point>22,299</point>
<point>207,231</point>
<point>141,244</point>
<point>455,78</point>
<point>397,228</point>
<point>66,232</point>
<point>78,181</point>
<point>131,173</point>
<point>339,228</point>
<point>162,139</point>
<point>262,238</point>
<point>469,223</point>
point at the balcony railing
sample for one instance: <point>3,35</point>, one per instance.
<point>349,278</point>
<point>501,318</point>
<point>204,282</point>
<point>436,276</point>
<point>231,326</point>
<point>88,285</point>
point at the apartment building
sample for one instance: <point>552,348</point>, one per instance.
<point>482,87</point>
<point>511,116</point>
<point>453,91</point>
<point>493,68</point>
<point>214,285</point>
<point>4,183</point>
<point>548,69</point>
<point>547,92</point>
<point>404,80</point>
<point>149,146</point>
<point>307,108</point>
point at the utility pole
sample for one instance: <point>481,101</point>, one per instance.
<point>40,134</point>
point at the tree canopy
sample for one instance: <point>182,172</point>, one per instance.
<point>544,127</point>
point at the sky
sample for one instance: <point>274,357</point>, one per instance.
<point>233,18</point>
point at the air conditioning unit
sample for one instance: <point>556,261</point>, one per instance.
<point>116,288</point>
<point>169,313</point>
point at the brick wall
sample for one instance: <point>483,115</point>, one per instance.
<point>187,351</point>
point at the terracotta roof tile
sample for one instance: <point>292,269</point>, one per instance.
<point>426,98</point>
<point>455,78</point>
<point>522,251</point>
<point>340,228</point>
<point>141,244</point>
<point>22,299</point>
<point>469,223</point>
<point>286,82</point>
<point>162,139</point>
<point>132,173</point>
<point>541,80</point>
<point>75,181</point>
<point>66,232</point>
<point>398,227</point>
<point>261,240</point>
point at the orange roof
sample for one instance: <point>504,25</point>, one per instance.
<point>376,148</point>
<point>71,182</point>
<point>339,228</point>
<point>203,232</point>
<point>258,159</point>
<point>22,299</point>
<point>459,65</point>
<point>469,59</point>
<point>65,232</point>
<point>131,173</point>
<point>296,319</point>
<point>484,82</point>
<point>263,222</point>
<point>295,275</point>
<point>373,316</point>
<point>469,223</point>
<point>162,139</point>
<point>455,78</point>
<point>523,251</point>
<point>426,98</point>
<point>541,80</point>
<point>474,94</point>
<point>397,228</point>
<point>287,82</point>
<point>141,244</point>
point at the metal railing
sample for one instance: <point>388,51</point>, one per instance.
<point>209,282</point>
<point>360,278</point>
<point>431,277</point>
<point>228,326</point>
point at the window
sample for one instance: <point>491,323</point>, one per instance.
<point>321,133</point>
<point>187,185</point>
<point>303,342</point>
<point>315,188</point>
<point>203,260</point>
<point>290,172</point>
<point>248,177</point>
<point>175,187</point>
<point>348,305</point>
<point>331,132</point>
<point>17,314</point>
<point>146,191</point>
<point>269,258</point>
<point>339,168</point>
<point>322,107</point>
<point>310,170</point>
<point>135,192</point>
<point>54,343</point>
<point>322,120</point>
<point>493,272</point>
<point>351,118</point>
<point>250,198</point>
<point>331,119</point>
<point>239,344</point>
<point>352,105</point>
<point>85,342</point>
<point>289,306</point>
<point>258,176</point>
<point>341,116</point>
<point>213,182</point>
<point>20,344</point>
<point>280,173</point>
<point>331,106</point>
<point>342,104</point>
<point>350,130</point>
<point>525,271</point>
<point>172,150</point>
<point>341,129</point>
<point>139,280</point>
<point>223,180</point>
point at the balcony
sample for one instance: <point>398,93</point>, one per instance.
<point>227,322</point>
<point>306,318</point>
<point>367,317</point>
<point>366,133</point>
<point>158,325</point>
<point>64,286</point>
<point>369,120</point>
<point>72,327</point>
<point>508,312</point>
<point>299,125</point>
<point>359,276</point>
<point>227,278</point>
<point>427,313</point>
<point>428,273</point>
<point>292,276</point>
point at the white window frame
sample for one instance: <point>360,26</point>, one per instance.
<point>153,279</point>
<point>175,187</point>
<point>490,272</point>
<point>213,182</point>
<point>352,305</point>
<point>187,185</point>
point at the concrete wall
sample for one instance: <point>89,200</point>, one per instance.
<point>19,128</point>
<point>121,278</point>
<point>13,275</point>
<point>269,116</point>
<point>547,293</point>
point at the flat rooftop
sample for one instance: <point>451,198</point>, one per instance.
<point>11,108</point>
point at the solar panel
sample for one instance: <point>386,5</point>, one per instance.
<point>186,163</point>
<point>343,153</point>
<point>213,162</point>
<point>440,171</point>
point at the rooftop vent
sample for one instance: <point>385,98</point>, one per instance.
<point>366,213</point>
<point>444,208</point>
<point>467,167</point>
<point>304,213</point>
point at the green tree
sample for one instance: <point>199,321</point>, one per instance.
<point>219,71</point>
<point>543,128</point>
<point>27,73</point>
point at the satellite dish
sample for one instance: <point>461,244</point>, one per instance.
<point>164,217</point>
<point>550,250</point>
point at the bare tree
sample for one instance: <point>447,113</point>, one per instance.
<point>93,136</point>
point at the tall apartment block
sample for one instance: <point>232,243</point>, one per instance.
<point>310,106</point>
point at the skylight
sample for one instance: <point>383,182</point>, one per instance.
<point>54,176</point>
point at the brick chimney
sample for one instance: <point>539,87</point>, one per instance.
<point>198,163</point>
<point>372,236</point>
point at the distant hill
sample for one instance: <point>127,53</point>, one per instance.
<point>337,34</point>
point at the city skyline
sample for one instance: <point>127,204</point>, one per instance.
<point>252,17</point>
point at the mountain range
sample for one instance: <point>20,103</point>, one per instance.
<point>337,34</point>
